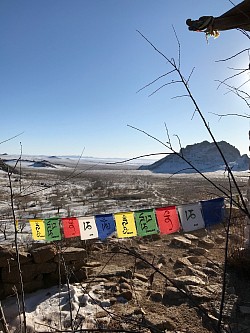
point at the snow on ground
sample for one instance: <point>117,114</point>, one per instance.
<point>51,307</point>
<point>72,161</point>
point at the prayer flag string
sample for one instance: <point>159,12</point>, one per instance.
<point>163,220</point>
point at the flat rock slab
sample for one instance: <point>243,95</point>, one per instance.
<point>181,242</point>
<point>182,281</point>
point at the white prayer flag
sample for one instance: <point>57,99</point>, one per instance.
<point>191,217</point>
<point>88,229</point>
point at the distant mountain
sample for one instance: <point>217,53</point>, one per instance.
<point>204,156</point>
<point>42,164</point>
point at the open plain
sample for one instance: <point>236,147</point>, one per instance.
<point>171,283</point>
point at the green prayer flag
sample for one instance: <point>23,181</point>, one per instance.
<point>146,223</point>
<point>52,229</point>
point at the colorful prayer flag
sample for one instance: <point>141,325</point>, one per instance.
<point>125,224</point>
<point>191,217</point>
<point>70,227</point>
<point>52,229</point>
<point>168,220</point>
<point>213,211</point>
<point>146,222</point>
<point>38,229</point>
<point>105,225</point>
<point>88,229</point>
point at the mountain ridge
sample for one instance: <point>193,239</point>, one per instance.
<point>204,156</point>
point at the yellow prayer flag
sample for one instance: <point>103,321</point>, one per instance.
<point>125,224</point>
<point>38,229</point>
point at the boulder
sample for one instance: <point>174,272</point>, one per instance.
<point>191,237</point>
<point>182,262</point>
<point>196,272</point>
<point>11,274</point>
<point>72,254</point>
<point>11,288</point>
<point>198,251</point>
<point>141,277</point>
<point>44,253</point>
<point>181,242</point>
<point>182,281</point>
<point>127,295</point>
<point>206,243</point>
<point>173,296</point>
<point>125,286</point>
<point>8,257</point>
<point>199,294</point>
<point>156,297</point>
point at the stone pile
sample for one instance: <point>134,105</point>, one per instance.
<point>41,267</point>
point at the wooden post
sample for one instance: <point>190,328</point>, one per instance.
<point>3,320</point>
<point>247,227</point>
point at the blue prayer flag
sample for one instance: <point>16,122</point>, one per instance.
<point>105,225</point>
<point>213,211</point>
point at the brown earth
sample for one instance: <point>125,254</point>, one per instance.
<point>158,283</point>
<point>164,284</point>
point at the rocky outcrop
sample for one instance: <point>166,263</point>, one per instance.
<point>41,267</point>
<point>203,156</point>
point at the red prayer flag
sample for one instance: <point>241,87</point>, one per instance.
<point>70,227</point>
<point>168,220</point>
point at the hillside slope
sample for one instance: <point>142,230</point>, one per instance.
<point>204,156</point>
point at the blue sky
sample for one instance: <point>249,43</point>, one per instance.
<point>70,71</point>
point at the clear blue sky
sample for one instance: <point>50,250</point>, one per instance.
<point>70,70</point>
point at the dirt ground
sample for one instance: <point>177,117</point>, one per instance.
<point>194,311</point>
<point>138,273</point>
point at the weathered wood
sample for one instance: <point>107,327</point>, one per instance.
<point>3,320</point>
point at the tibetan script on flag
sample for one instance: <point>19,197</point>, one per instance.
<point>191,217</point>
<point>88,229</point>
<point>52,229</point>
<point>146,222</point>
<point>38,229</point>
<point>105,225</point>
<point>125,224</point>
<point>70,227</point>
<point>168,220</point>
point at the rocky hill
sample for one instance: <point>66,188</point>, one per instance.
<point>204,156</point>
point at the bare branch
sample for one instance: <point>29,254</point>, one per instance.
<point>164,85</point>
<point>149,84</point>
<point>13,137</point>
<point>179,140</point>
<point>136,158</point>
<point>238,92</point>
<point>180,96</point>
<point>169,141</point>
<point>179,48</point>
<point>230,114</point>
<point>231,77</point>
<point>233,56</point>
<point>190,75</point>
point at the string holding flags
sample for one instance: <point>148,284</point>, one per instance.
<point>166,220</point>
